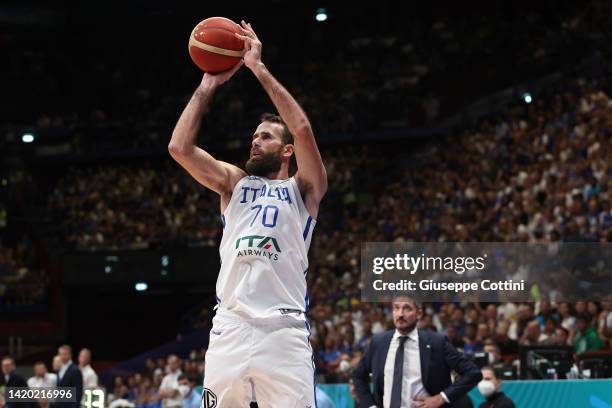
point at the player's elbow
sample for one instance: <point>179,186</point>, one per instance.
<point>303,129</point>
<point>176,150</point>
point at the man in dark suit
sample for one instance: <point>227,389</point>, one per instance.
<point>12,378</point>
<point>412,368</point>
<point>69,375</point>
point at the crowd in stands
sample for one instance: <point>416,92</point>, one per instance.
<point>22,282</point>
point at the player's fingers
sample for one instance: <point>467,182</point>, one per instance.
<point>252,30</point>
<point>246,27</point>
<point>247,40</point>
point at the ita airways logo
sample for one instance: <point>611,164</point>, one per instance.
<point>258,245</point>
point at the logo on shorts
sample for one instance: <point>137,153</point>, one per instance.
<point>258,245</point>
<point>209,399</point>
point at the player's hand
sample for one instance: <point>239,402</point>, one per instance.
<point>252,45</point>
<point>428,402</point>
<point>214,80</point>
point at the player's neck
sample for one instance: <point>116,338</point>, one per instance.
<point>281,174</point>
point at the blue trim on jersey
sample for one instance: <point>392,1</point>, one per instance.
<point>223,220</point>
<point>307,229</point>
<point>314,367</point>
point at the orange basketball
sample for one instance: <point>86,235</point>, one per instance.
<point>214,47</point>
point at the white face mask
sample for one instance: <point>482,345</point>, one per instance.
<point>183,390</point>
<point>486,388</point>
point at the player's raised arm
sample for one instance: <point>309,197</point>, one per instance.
<point>216,175</point>
<point>311,175</point>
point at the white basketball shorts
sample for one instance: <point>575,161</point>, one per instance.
<point>269,360</point>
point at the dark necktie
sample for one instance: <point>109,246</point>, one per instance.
<point>398,367</point>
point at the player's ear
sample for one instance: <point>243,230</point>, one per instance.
<point>288,150</point>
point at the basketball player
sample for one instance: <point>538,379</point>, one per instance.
<point>259,340</point>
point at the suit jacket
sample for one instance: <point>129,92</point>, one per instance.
<point>72,378</point>
<point>16,380</point>
<point>438,357</point>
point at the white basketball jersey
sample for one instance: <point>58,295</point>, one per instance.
<point>264,249</point>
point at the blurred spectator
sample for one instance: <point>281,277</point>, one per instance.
<point>69,375</point>
<point>586,338</point>
<point>490,388</point>
<point>90,378</point>
<point>532,335</point>
<point>191,398</point>
<point>169,388</point>
<point>12,378</point>
<point>42,378</point>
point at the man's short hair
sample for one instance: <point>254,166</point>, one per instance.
<point>39,363</point>
<point>584,316</point>
<point>286,137</point>
<point>9,358</point>
<point>66,347</point>
<point>404,298</point>
<point>491,369</point>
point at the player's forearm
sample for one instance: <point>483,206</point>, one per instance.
<point>288,108</point>
<point>186,130</point>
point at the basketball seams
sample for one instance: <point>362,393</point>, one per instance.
<point>216,28</point>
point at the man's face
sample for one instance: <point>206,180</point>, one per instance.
<point>57,363</point>
<point>561,337</point>
<point>84,357</point>
<point>533,330</point>
<point>40,370</point>
<point>7,366</point>
<point>64,354</point>
<point>173,363</point>
<point>267,149</point>
<point>405,316</point>
<point>490,376</point>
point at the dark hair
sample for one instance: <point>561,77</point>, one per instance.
<point>584,316</point>
<point>287,137</point>
<point>563,329</point>
<point>182,377</point>
<point>491,369</point>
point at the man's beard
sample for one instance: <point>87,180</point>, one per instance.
<point>264,164</point>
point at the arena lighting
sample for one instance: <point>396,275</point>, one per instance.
<point>141,286</point>
<point>527,97</point>
<point>27,138</point>
<point>321,15</point>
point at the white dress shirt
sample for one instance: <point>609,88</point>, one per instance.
<point>412,383</point>
<point>90,378</point>
<point>48,381</point>
<point>171,381</point>
<point>62,370</point>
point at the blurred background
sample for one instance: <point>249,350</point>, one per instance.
<point>488,121</point>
